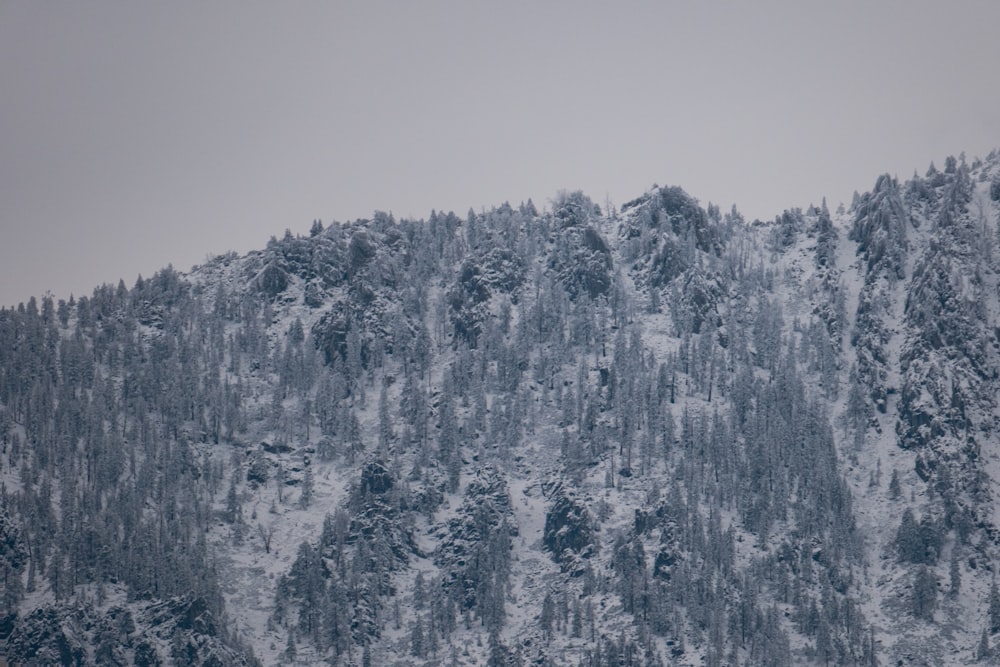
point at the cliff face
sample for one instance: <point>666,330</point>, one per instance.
<point>660,435</point>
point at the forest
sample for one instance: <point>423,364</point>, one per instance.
<point>647,435</point>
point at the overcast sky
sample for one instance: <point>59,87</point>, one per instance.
<point>133,135</point>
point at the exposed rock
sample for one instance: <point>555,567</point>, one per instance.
<point>569,533</point>
<point>484,525</point>
<point>84,635</point>
<point>582,262</point>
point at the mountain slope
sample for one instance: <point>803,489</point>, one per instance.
<point>659,435</point>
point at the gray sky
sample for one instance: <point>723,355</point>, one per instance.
<point>133,135</point>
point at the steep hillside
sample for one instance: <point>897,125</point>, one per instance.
<point>659,435</point>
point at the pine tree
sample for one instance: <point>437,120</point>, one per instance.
<point>385,431</point>
<point>954,574</point>
<point>993,613</point>
<point>924,593</point>
<point>307,488</point>
<point>894,490</point>
<point>983,650</point>
<point>417,640</point>
<point>547,617</point>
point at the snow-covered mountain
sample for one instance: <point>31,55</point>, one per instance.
<point>659,435</point>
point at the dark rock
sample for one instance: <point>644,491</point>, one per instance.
<point>582,262</point>
<point>484,525</point>
<point>376,478</point>
<point>569,531</point>
<point>47,636</point>
<point>272,280</point>
<point>665,558</point>
<point>146,656</point>
<point>275,448</point>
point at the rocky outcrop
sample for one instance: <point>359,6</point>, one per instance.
<point>179,631</point>
<point>569,534</point>
<point>477,540</point>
